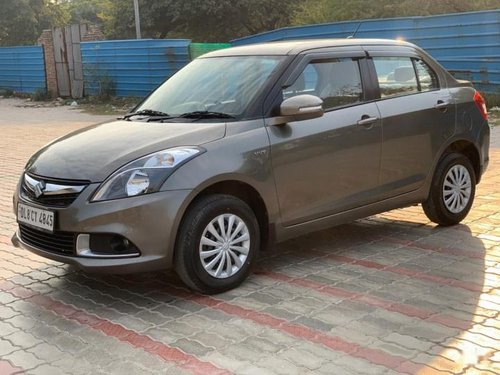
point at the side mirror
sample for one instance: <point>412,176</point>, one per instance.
<point>300,108</point>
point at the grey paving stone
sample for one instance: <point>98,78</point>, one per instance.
<point>196,322</point>
<point>331,368</point>
<point>22,280</point>
<point>280,366</point>
<point>23,339</point>
<point>100,357</point>
<point>210,339</point>
<point>358,335</point>
<point>75,366</point>
<point>68,343</point>
<point>180,328</point>
<point>258,343</point>
<point>193,347</point>
<point>46,369</point>
<point>133,323</point>
<point>394,349</point>
<point>6,298</point>
<point>249,328</point>
<point>154,363</point>
<point>125,367</point>
<point>23,322</point>
<point>358,366</point>
<point>6,347</point>
<point>28,360</point>
<point>297,357</point>
<point>7,312</point>
<point>242,352</point>
<point>163,335</point>
<point>152,317</point>
<point>429,332</point>
<point>45,352</point>
<point>187,306</point>
<point>255,370</point>
<point>314,323</point>
<point>263,298</point>
<point>408,342</point>
<point>229,362</point>
<point>281,313</point>
<point>318,351</point>
<point>6,328</point>
<point>278,337</point>
<point>168,311</point>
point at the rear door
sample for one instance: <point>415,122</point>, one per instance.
<point>417,116</point>
<point>329,164</point>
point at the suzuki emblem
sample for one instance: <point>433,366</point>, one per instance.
<point>39,188</point>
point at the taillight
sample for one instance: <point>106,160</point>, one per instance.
<point>481,104</point>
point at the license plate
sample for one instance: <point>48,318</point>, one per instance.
<point>36,217</point>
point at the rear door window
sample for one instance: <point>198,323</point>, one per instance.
<point>396,76</point>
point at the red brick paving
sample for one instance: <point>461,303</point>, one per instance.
<point>7,369</point>
<point>167,353</point>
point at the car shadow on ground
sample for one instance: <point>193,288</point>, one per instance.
<point>405,290</point>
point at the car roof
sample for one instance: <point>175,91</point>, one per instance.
<point>294,47</point>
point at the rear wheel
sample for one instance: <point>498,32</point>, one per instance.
<point>452,190</point>
<point>217,244</point>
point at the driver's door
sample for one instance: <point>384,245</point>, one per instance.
<point>328,164</point>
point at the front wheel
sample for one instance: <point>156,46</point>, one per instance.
<point>217,244</point>
<point>452,190</point>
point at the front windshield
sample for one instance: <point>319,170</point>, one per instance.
<point>218,84</point>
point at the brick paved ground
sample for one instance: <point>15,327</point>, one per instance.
<point>388,294</point>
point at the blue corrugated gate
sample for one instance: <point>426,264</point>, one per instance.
<point>136,67</point>
<point>467,44</point>
<point>22,69</point>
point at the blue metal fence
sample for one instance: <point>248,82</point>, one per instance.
<point>22,69</point>
<point>467,44</point>
<point>134,67</point>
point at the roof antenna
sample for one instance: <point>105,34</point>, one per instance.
<point>355,31</point>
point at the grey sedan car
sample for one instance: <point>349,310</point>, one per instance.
<point>252,145</point>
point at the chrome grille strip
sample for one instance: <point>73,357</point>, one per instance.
<point>51,188</point>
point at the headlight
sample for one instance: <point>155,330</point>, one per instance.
<point>144,175</point>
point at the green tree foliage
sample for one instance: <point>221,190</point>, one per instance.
<point>321,11</point>
<point>22,21</point>
<point>87,11</point>
<point>201,20</point>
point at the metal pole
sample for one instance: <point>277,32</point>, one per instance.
<point>137,20</point>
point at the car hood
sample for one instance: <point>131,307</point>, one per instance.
<point>93,153</point>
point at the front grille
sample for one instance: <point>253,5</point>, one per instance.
<point>62,200</point>
<point>57,193</point>
<point>58,242</point>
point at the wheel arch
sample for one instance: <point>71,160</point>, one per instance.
<point>468,149</point>
<point>238,189</point>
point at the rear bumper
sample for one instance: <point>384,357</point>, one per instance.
<point>484,146</point>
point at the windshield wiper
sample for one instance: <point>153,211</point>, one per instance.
<point>145,112</point>
<point>205,114</point>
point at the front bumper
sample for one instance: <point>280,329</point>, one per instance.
<point>150,222</point>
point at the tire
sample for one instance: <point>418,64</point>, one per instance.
<point>441,207</point>
<point>207,274</point>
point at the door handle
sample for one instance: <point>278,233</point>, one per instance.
<point>367,121</point>
<point>442,105</point>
